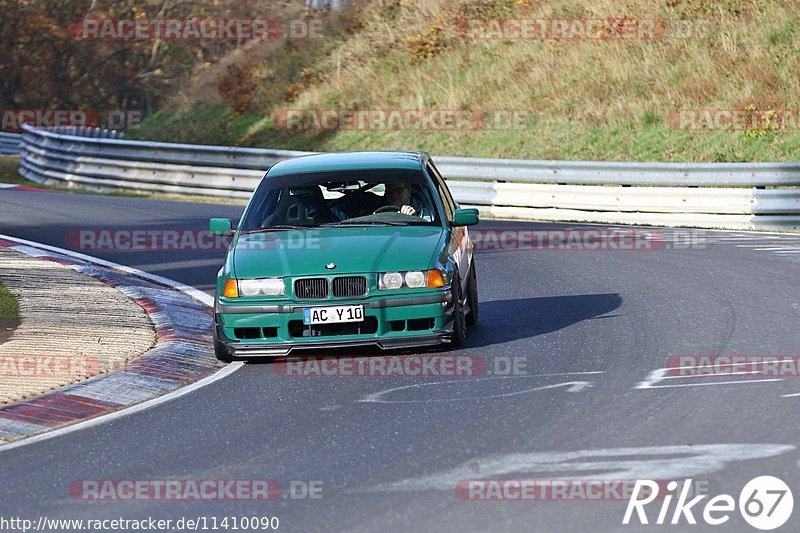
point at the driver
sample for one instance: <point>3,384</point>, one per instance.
<point>400,194</point>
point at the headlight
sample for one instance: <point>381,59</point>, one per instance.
<point>391,280</point>
<point>262,287</point>
<point>413,279</point>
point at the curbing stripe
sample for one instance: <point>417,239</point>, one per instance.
<point>221,374</point>
<point>179,356</point>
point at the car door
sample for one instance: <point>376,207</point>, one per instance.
<point>460,246</point>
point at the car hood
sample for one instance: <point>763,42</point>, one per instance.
<point>352,250</point>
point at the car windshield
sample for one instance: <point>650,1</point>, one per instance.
<point>341,198</point>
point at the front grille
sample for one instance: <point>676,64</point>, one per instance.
<point>349,286</point>
<point>311,288</point>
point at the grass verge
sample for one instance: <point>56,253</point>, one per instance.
<point>9,307</point>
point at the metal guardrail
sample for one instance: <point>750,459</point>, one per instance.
<point>727,195</point>
<point>10,143</point>
<point>624,173</point>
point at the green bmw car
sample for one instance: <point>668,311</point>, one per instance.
<point>343,250</point>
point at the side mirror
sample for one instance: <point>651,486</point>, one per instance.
<point>220,226</point>
<point>465,217</point>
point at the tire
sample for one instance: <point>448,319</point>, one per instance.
<point>459,320</point>
<point>220,351</point>
<point>472,296</point>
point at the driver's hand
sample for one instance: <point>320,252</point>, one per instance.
<point>408,210</point>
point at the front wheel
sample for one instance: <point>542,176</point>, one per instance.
<point>472,296</point>
<point>459,320</point>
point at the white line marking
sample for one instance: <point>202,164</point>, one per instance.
<point>728,374</point>
<point>706,384</point>
<point>147,404</point>
<point>660,374</point>
<point>765,235</point>
<point>725,238</point>
<point>572,386</point>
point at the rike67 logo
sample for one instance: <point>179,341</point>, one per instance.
<point>766,503</point>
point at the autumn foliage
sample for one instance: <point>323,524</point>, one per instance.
<point>44,66</point>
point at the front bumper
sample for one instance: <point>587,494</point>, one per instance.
<point>384,314</point>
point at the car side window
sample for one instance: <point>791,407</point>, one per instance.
<point>444,193</point>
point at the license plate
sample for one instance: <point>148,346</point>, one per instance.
<point>333,315</point>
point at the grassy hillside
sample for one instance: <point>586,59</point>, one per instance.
<point>607,99</point>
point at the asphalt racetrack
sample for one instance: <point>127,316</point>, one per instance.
<point>588,331</point>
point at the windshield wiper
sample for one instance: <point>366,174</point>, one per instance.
<point>365,223</point>
<point>279,227</point>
